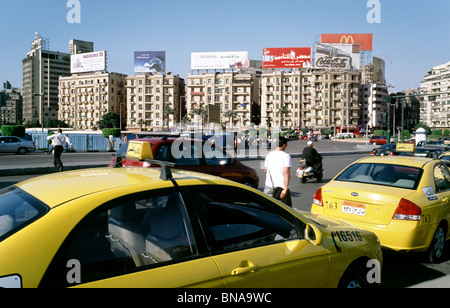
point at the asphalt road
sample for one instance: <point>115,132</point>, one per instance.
<point>400,269</point>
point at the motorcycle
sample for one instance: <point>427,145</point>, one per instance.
<point>305,173</point>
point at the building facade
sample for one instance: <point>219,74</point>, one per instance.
<point>41,72</point>
<point>313,98</point>
<point>225,98</point>
<point>372,98</point>
<point>435,107</point>
<point>85,98</point>
<point>11,106</point>
<point>154,101</point>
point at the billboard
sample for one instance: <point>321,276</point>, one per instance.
<point>150,62</point>
<point>219,60</point>
<point>379,70</point>
<point>365,40</point>
<point>88,62</point>
<point>287,57</point>
<point>337,56</point>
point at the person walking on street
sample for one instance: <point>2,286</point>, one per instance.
<point>277,167</point>
<point>58,141</point>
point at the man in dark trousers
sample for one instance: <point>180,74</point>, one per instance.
<point>58,141</point>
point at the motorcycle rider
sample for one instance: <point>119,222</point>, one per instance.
<point>313,158</point>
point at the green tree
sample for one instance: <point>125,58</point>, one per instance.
<point>109,120</point>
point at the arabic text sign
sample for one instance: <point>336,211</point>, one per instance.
<point>287,57</point>
<point>219,60</point>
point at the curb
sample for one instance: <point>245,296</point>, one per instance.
<point>48,170</point>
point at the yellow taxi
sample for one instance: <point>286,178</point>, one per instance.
<point>405,201</point>
<point>445,156</point>
<point>137,227</point>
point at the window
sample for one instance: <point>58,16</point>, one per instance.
<point>240,221</point>
<point>17,210</point>
<point>133,233</point>
<point>441,178</point>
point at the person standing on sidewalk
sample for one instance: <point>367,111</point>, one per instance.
<point>58,141</point>
<point>277,167</point>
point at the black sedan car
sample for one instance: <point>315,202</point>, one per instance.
<point>385,149</point>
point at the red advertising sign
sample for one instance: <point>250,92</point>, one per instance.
<point>365,40</point>
<point>296,57</point>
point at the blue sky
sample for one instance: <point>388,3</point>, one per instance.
<point>413,36</point>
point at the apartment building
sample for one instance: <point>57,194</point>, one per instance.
<point>227,98</point>
<point>372,99</point>
<point>85,98</point>
<point>435,108</point>
<point>11,106</point>
<point>41,71</point>
<point>313,98</point>
<point>154,101</point>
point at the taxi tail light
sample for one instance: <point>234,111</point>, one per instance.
<point>318,197</point>
<point>407,210</point>
<point>391,154</point>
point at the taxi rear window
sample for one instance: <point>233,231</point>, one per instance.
<point>382,174</point>
<point>17,210</point>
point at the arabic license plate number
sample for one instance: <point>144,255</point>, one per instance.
<point>354,208</point>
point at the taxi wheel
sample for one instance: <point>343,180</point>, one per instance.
<point>354,279</point>
<point>437,247</point>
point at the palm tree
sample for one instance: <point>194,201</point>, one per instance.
<point>231,114</point>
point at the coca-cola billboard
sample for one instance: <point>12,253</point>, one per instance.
<point>296,57</point>
<point>337,56</point>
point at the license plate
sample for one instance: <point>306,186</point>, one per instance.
<point>354,208</point>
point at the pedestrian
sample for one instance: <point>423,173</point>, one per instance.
<point>277,167</point>
<point>58,141</point>
<point>111,142</point>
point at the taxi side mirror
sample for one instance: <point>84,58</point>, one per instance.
<point>313,234</point>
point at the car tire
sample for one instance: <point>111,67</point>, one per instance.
<point>22,151</point>
<point>354,279</point>
<point>437,247</point>
<point>248,182</point>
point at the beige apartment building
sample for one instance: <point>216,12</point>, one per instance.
<point>85,98</point>
<point>154,101</point>
<point>313,98</point>
<point>435,107</point>
<point>220,97</point>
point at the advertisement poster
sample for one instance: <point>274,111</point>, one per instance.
<point>88,62</point>
<point>365,40</point>
<point>296,57</point>
<point>150,62</point>
<point>337,56</point>
<point>219,60</point>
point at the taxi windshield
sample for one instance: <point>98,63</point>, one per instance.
<point>382,174</point>
<point>17,210</point>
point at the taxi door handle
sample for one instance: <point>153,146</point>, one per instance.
<point>244,267</point>
<point>444,200</point>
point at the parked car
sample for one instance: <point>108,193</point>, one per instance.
<point>191,156</point>
<point>378,140</point>
<point>12,144</point>
<point>134,228</point>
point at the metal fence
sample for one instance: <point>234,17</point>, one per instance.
<point>80,142</point>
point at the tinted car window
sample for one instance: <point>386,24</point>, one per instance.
<point>238,221</point>
<point>382,174</point>
<point>17,210</point>
<point>132,234</point>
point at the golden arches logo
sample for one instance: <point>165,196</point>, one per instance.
<point>347,39</point>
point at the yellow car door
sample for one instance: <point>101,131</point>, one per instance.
<point>256,243</point>
<point>138,241</point>
<point>290,264</point>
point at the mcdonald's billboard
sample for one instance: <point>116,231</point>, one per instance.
<point>365,40</point>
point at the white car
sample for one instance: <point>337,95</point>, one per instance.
<point>11,144</point>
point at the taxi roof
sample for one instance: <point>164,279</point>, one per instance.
<point>412,161</point>
<point>58,188</point>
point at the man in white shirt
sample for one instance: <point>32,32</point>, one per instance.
<point>58,141</point>
<point>278,166</point>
